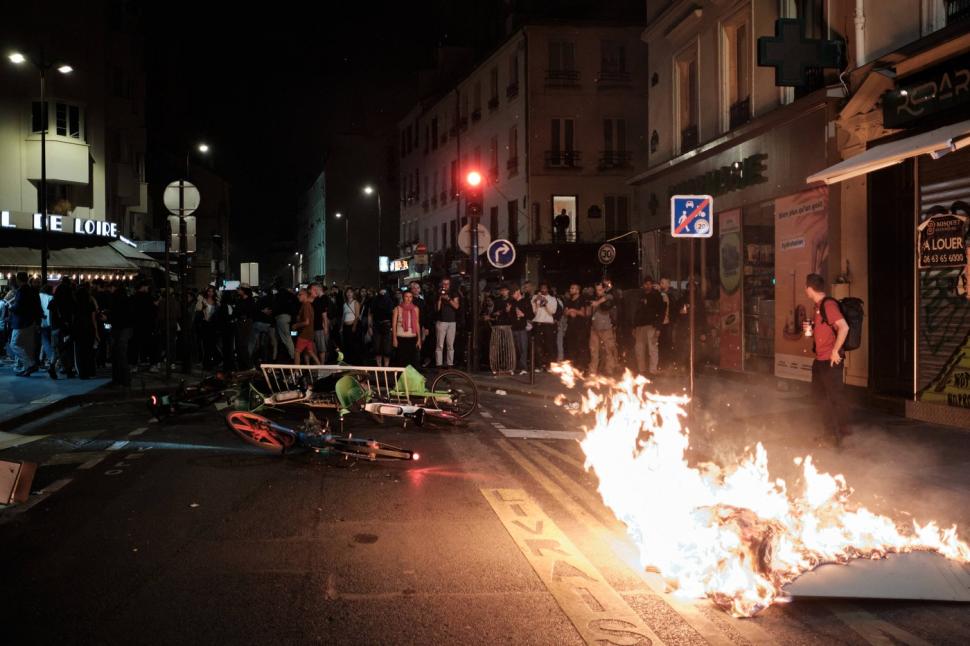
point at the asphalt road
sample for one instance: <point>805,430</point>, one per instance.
<point>178,533</point>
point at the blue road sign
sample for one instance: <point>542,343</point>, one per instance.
<point>692,216</point>
<point>501,253</point>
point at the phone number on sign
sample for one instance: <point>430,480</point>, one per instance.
<point>943,258</point>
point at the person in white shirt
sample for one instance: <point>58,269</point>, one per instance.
<point>544,306</point>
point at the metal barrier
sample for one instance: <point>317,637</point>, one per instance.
<point>386,384</point>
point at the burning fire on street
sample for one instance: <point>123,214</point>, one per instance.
<point>726,531</point>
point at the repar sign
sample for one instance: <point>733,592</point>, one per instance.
<point>62,224</point>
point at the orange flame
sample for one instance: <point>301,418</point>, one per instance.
<point>730,533</point>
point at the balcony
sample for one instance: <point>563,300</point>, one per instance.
<point>512,90</point>
<point>688,138</point>
<point>740,113</point>
<point>563,159</point>
<point>562,78</point>
<point>610,159</point>
<point>477,114</point>
<point>613,78</point>
<point>493,103</point>
<point>67,161</point>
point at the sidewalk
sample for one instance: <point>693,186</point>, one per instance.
<point>24,399</point>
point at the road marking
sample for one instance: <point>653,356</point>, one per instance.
<point>120,444</point>
<point>10,440</point>
<point>498,426</point>
<point>537,434</point>
<point>93,461</point>
<point>560,455</point>
<point>625,552</point>
<point>486,414</point>
<point>874,630</point>
<point>74,457</point>
<point>597,611</point>
<point>138,431</point>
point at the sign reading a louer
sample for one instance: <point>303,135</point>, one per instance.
<point>942,241</point>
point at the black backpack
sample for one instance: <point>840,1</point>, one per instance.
<point>853,312</point>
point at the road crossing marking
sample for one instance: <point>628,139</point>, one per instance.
<point>538,434</point>
<point>597,611</point>
<point>120,444</point>
<point>91,463</point>
<point>486,414</point>
<point>688,611</point>
<point>10,440</point>
<point>138,431</point>
<point>560,455</point>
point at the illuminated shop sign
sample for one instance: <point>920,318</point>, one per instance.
<point>59,224</point>
<point>747,172</point>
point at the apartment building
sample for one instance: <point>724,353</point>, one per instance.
<point>777,155</point>
<point>554,119</point>
<point>311,230</point>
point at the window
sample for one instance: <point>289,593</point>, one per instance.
<point>512,212</point>
<point>615,154</point>
<point>612,59</point>
<point>493,88</point>
<point>493,222</point>
<point>404,142</point>
<point>454,178</point>
<point>61,112</point>
<point>463,117</point>
<point>513,162</point>
<point>427,238</point>
<point>513,87</point>
<point>477,158</point>
<point>453,239</point>
<point>427,138</point>
<point>562,60</point>
<point>736,69</point>
<point>493,158</point>
<point>686,96</point>
<point>617,214</point>
<point>38,121</point>
<point>434,133</point>
<point>563,205</point>
<point>477,102</point>
<point>561,152</point>
<point>68,120</point>
<point>74,122</point>
<point>434,244</point>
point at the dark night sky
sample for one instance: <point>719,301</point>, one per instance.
<point>268,89</point>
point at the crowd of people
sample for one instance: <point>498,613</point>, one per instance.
<point>78,327</point>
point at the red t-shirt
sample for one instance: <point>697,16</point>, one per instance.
<point>825,334</point>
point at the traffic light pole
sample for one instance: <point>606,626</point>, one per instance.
<point>475,307</point>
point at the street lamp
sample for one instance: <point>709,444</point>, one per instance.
<point>43,66</point>
<point>338,215</point>
<point>370,190</point>
<point>202,148</point>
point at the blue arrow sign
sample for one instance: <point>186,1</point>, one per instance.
<point>692,216</point>
<point>501,253</point>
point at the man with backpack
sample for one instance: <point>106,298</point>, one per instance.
<point>830,330</point>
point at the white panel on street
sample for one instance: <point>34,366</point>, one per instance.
<point>917,575</point>
<point>529,434</point>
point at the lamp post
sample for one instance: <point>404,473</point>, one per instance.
<point>370,190</point>
<point>183,253</point>
<point>43,66</point>
<point>346,220</point>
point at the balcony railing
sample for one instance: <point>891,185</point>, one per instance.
<point>563,158</point>
<point>688,138</point>
<point>740,113</point>
<point>512,90</point>
<point>562,77</point>
<point>493,103</point>
<point>615,159</point>
<point>569,235</point>
<point>614,78</point>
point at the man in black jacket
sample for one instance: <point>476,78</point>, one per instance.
<point>25,316</point>
<point>119,317</point>
<point>62,309</point>
<point>647,319</point>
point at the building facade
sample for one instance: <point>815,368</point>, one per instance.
<point>553,119</point>
<point>94,116</point>
<point>311,231</point>
<point>774,157</point>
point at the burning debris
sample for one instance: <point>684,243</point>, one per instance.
<point>727,532</point>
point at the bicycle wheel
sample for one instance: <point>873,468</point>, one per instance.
<point>370,450</point>
<point>462,395</point>
<point>258,431</point>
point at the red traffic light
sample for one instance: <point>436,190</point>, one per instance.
<point>473,179</point>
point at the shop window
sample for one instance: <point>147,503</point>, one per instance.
<point>957,11</point>
<point>736,69</point>
<point>686,99</point>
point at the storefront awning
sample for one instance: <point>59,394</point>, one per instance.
<point>936,143</point>
<point>71,258</point>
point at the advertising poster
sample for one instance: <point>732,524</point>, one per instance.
<point>801,248</point>
<point>729,252</point>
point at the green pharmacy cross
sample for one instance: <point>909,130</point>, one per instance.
<point>792,54</point>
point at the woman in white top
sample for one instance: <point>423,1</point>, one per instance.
<point>351,319</point>
<point>405,332</point>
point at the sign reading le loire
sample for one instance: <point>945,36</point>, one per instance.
<point>942,241</point>
<point>59,224</point>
